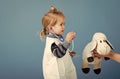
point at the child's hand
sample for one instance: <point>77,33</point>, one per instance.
<point>70,36</point>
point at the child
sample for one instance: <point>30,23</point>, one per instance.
<point>57,62</point>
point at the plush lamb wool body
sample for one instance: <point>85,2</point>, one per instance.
<point>102,46</point>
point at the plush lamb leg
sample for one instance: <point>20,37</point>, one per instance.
<point>97,67</point>
<point>85,67</point>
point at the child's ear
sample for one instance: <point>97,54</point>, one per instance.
<point>50,28</point>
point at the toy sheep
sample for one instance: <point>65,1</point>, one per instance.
<point>102,46</point>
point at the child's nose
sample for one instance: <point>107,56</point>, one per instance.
<point>63,27</point>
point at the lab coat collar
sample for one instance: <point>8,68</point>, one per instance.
<point>60,37</point>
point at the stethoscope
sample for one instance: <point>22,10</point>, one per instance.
<point>72,50</point>
<point>62,40</point>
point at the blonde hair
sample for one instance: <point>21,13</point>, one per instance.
<point>50,19</point>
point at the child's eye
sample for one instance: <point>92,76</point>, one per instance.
<point>62,24</point>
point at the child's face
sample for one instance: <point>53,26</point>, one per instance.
<point>59,27</point>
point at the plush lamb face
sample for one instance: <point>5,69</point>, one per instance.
<point>103,46</point>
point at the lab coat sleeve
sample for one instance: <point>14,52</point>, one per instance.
<point>60,49</point>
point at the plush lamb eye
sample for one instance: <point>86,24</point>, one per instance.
<point>100,41</point>
<point>104,40</point>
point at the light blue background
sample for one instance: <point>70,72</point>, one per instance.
<point>21,50</point>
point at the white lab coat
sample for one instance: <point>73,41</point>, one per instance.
<point>57,68</point>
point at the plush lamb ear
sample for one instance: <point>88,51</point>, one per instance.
<point>93,45</point>
<point>109,44</point>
